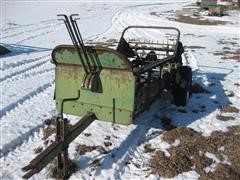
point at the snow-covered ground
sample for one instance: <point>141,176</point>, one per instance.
<point>30,29</point>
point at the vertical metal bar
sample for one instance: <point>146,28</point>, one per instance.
<point>63,133</point>
<point>78,31</point>
<point>114,110</point>
<point>73,38</point>
<point>79,39</point>
<point>52,151</point>
<point>68,26</point>
<point>65,149</point>
<point>58,138</point>
<point>69,32</point>
<point>84,49</point>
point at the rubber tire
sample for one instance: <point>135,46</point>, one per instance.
<point>180,93</point>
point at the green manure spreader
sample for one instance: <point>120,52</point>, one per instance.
<point>111,81</point>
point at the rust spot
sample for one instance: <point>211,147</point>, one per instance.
<point>70,71</point>
<point>94,51</point>
<point>71,50</point>
<point>62,48</point>
<point>102,50</point>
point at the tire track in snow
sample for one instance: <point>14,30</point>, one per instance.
<point>34,122</point>
<point>23,70</point>
<point>7,65</point>
<point>26,136</point>
<point>14,144</point>
<point>28,25</point>
<point>29,36</point>
<point>30,31</point>
<point>138,136</point>
<point>134,15</point>
<point>13,161</point>
<point>38,71</point>
<point>28,74</point>
<point>14,105</point>
<point>120,22</point>
<point>18,149</point>
<point>27,150</point>
<point>35,73</point>
<point>34,36</point>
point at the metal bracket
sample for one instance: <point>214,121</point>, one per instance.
<point>64,136</point>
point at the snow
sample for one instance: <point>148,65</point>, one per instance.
<point>213,166</point>
<point>30,30</point>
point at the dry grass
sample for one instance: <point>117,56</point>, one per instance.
<point>107,138</point>
<point>154,14</point>
<point>227,54</point>
<point>190,20</point>
<point>95,163</point>
<point>222,172</point>
<point>229,109</point>
<point>148,148</point>
<point>227,42</point>
<point>54,173</point>
<point>195,47</point>
<point>183,17</point>
<point>224,118</point>
<point>107,143</point>
<point>190,154</point>
<point>237,84</point>
<point>82,149</point>
<point>194,35</point>
<point>87,134</point>
<point>112,40</point>
<point>38,149</point>
<point>230,94</point>
<point>48,131</point>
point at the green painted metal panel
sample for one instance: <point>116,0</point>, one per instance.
<point>107,58</point>
<point>115,103</point>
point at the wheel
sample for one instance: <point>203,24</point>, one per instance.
<point>182,85</point>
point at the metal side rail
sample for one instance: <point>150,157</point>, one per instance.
<point>57,147</point>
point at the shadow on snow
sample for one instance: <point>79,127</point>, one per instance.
<point>17,49</point>
<point>199,106</point>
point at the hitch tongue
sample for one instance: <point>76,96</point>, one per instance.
<point>59,148</point>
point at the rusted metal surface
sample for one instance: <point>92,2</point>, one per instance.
<point>116,79</point>
<point>57,147</point>
<point>115,85</point>
<point>104,56</point>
